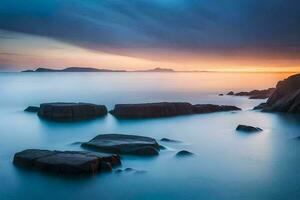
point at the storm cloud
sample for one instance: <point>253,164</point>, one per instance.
<point>218,26</point>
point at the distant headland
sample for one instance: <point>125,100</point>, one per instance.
<point>88,69</point>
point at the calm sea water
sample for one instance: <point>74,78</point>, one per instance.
<point>226,165</point>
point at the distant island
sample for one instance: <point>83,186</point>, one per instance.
<point>88,69</point>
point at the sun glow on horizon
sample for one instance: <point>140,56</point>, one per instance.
<point>22,51</point>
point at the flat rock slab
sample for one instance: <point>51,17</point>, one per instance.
<point>71,111</point>
<point>152,110</point>
<point>66,162</point>
<point>210,108</point>
<point>32,109</point>
<point>248,129</point>
<point>165,109</point>
<point>124,144</point>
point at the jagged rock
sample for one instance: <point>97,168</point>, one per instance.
<point>286,97</point>
<point>71,111</point>
<point>124,144</point>
<point>151,110</point>
<point>66,162</point>
<point>32,109</point>
<point>184,153</point>
<point>248,129</point>
<point>230,93</point>
<point>209,108</point>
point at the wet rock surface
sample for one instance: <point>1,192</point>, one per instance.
<point>66,162</point>
<point>71,111</point>
<point>248,129</point>
<point>124,144</point>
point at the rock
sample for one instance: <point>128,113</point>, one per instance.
<point>286,97</point>
<point>66,162</point>
<point>221,94</point>
<point>260,106</point>
<point>71,111</point>
<point>151,110</point>
<point>32,109</point>
<point>209,108</point>
<point>255,94</point>
<point>161,147</point>
<point>248,129</point>
<point>168,140</point>
<point>130,170</point>
<point>124,144</point>
<point>262,96</point>
<point>165,109</point>
<point>230,93</point>
<point>184,153</point>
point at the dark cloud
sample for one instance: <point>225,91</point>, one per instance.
<point>218,26</point>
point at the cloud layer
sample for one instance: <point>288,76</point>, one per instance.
<point>143,27</point>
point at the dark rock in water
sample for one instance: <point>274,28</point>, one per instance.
<point>124,144</point>
<point>66,162</point>
<point>262,96</point>
<point>151,110</point>
<point>286,97</point>
<point>161,147</point>
<point>184,153</point>
<point>248,129</point>
<point>221,94</point>
<point>260,106</point>
<point>168,140</point>
<point>255,94</point>
<point>165,109</point>
<point>71,111</point>
<point>209,108</point>
<point>32,109</point>
<point>129,170</point>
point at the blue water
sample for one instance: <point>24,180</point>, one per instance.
<point>226,164</point>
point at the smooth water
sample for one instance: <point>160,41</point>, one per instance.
<point>226,164</point>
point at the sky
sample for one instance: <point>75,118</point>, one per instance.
<point>216,35</point>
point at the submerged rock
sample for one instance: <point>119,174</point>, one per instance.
<point>248,129</point>
<point>71,111</point>
<point>32,109</point>
<point>184,153</point>
<point>286,97</point>
<point>169,140</point>
<point>209,108</point>
<point>152,110</point>
<point>66,162</point>
<point>124,144</point>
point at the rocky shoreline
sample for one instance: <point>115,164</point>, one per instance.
<point>106,148</point>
